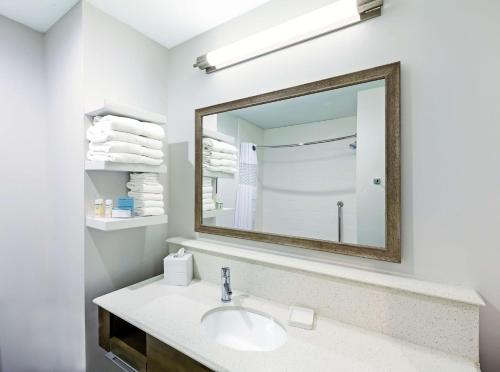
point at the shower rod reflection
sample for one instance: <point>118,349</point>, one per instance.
<point>308,143</point>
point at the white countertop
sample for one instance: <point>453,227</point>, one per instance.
<point>172,315</point>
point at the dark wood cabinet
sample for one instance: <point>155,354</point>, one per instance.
<point>140,350</point>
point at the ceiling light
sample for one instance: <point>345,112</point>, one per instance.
<point>340,14</point>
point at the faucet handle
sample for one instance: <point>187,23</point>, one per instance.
<point>225,271</point>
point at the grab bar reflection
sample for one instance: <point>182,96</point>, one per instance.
<point>340,204</point>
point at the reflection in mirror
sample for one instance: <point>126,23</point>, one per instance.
<point>311,166</point>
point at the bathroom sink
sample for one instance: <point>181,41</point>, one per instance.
<point>243,329</point>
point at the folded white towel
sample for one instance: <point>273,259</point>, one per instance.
<point>145,196</point>
<point>144,177</point>
<point>99,134</point>
<point>219,155</point>
<point>210,144</point>
<point>149,211</point>
<point>208,206</point>
<point>154,188</point>
<point>148,203</point>
<point>126,147</point>
<point>207,181</point>
<point>207,195</point>
<point>128,125</point>
<point>122,158</point>
<point>214,168</point>
<point>207,189</point>
<point>221,162</point>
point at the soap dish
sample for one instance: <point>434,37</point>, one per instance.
<point>301,317</point>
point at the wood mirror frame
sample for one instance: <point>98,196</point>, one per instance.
<point>392,251</point>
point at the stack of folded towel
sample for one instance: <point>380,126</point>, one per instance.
<point>219,157</point>
<point>147,192</point>
<point>124,140</point>
<point>207,196</point>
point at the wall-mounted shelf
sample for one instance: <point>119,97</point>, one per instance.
<point>217,175</point>
<point>217,212</point>
<point>113,108</point>
<point>218,136</point>
<point>112,224</point>
<point>123,167</point>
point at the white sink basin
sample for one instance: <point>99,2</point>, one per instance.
<point>243,329</point>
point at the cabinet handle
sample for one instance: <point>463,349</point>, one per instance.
<point>124,366</point>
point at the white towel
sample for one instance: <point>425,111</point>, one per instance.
<point>122,158</point>
<point>207,189</point>
<point>207,195</point>
<point>149,211</point>
<point>125,147</point>
<point>148,203</point>
<point>128,125</point>
<point>221,162</point>
<point>144,177</point>
<point>208,206</point>
<point>99,134</point>
<point>210,144</point>
<point>218,155</point>
<point>207,181</point>
<point>154,188</point>
<point>145,196</point>
<point>213,168</point>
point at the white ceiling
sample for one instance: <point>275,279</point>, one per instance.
<point>37,14</point>
<point>332,104</point>
<point>171,22</point>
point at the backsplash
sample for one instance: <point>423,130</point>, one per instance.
<point>447,325</point>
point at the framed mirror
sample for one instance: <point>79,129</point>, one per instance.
<point>315,166</point>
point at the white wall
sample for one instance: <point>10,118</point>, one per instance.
<point>63,50</point>
<point>302,185</point>
<point>450,198</point>
<point>28,297</point>
<point>125,66</point>
<point>370,164</point>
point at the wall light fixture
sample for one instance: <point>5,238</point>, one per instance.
<point>339,14</point>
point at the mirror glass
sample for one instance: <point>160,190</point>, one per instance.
<point>312,166</point>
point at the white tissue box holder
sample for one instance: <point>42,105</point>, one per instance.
<point>178,270</point>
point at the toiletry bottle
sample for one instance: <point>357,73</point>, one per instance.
<point>108,208</point>
<point>98,208</point>
<point>218,202</point>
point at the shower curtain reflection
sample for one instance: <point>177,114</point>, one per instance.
<point>246,196</point>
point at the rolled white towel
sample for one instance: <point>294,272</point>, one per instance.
<point>149,211</point>
<point>154,188</point>
<point>145,196</point>
<point>207,195</point>
<point>208,206</point>
<point>219,155</point>
<point>207,181</point>
<point>221,163</point>
<point>128,125</point>
<point>125,147</point>
<point>148,203</point>
<point>100,134</point>
<point>207,189</point>
<point>222,169</point>
<point>122,158</point>
<point>210,144</point>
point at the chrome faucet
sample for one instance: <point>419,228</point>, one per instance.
<point>225,277</point>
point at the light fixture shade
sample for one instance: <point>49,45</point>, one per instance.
<point>337,15</point>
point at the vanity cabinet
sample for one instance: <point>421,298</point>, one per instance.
<point>139,350</point>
